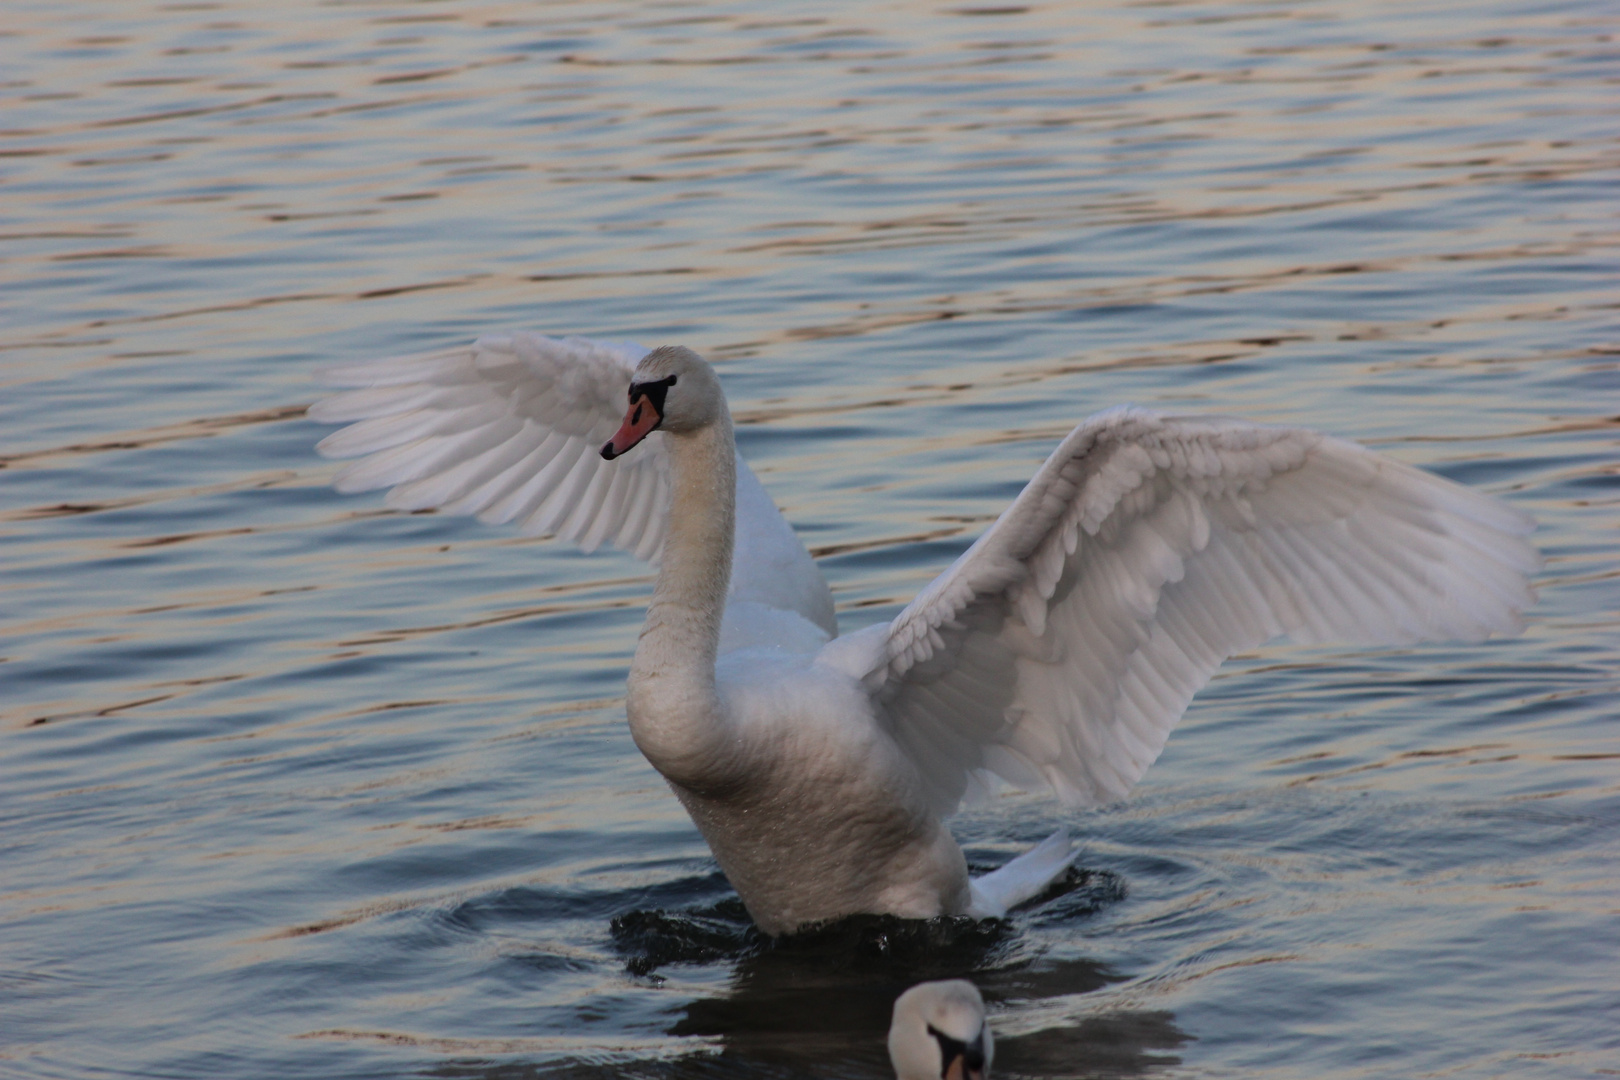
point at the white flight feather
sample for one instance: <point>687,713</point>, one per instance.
<point>1175,542</point>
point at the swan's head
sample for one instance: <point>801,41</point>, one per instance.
<point>939,1033</point>
<point>673,389</point>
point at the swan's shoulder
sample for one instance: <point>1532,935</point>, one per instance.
<point>798,720</point>
<point>1061,648</point>
<point>771,569</point>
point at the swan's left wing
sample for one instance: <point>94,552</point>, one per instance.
<point>509,428</point>
<point>1062,647</point>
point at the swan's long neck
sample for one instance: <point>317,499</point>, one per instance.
<point>673,705</point>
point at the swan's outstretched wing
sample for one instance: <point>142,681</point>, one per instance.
<point>510,428</point>
<point>1063,646</point>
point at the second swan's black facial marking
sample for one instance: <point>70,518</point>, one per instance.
<point>653,392</point>
<point>972,1054</point>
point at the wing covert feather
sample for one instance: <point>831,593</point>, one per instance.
<point>1063,646</point>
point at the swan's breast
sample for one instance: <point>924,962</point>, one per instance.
<point>828,816</point>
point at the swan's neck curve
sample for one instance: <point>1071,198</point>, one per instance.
<point>673,705</point>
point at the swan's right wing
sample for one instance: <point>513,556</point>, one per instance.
<point>509,428</point>
<point>1062,647</point>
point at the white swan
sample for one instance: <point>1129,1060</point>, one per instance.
<point>939,1033</point>
<point>1059,650</point>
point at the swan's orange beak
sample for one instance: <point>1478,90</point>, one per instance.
<point>959,1068</point>
<point>639,421</point>
<point>963,1060</point>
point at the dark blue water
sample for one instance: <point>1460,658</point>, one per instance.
<point>294,786</point>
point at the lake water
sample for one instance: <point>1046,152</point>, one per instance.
<point>296,787</point>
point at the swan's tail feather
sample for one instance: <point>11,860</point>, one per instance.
<point>1025,877</point>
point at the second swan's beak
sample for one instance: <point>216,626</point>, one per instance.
<point>640,420</point>
<point>965,1062</point>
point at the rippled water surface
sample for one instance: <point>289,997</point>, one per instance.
<point>297,787</point>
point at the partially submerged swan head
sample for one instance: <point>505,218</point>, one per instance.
<point>673,389</point>
<point>939,1033</point>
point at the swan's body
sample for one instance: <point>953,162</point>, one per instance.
<point>939,1033</point>
<point>1059,650</point>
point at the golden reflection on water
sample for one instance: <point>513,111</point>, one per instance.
<point>373,765</point>
<point>256,90</point>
